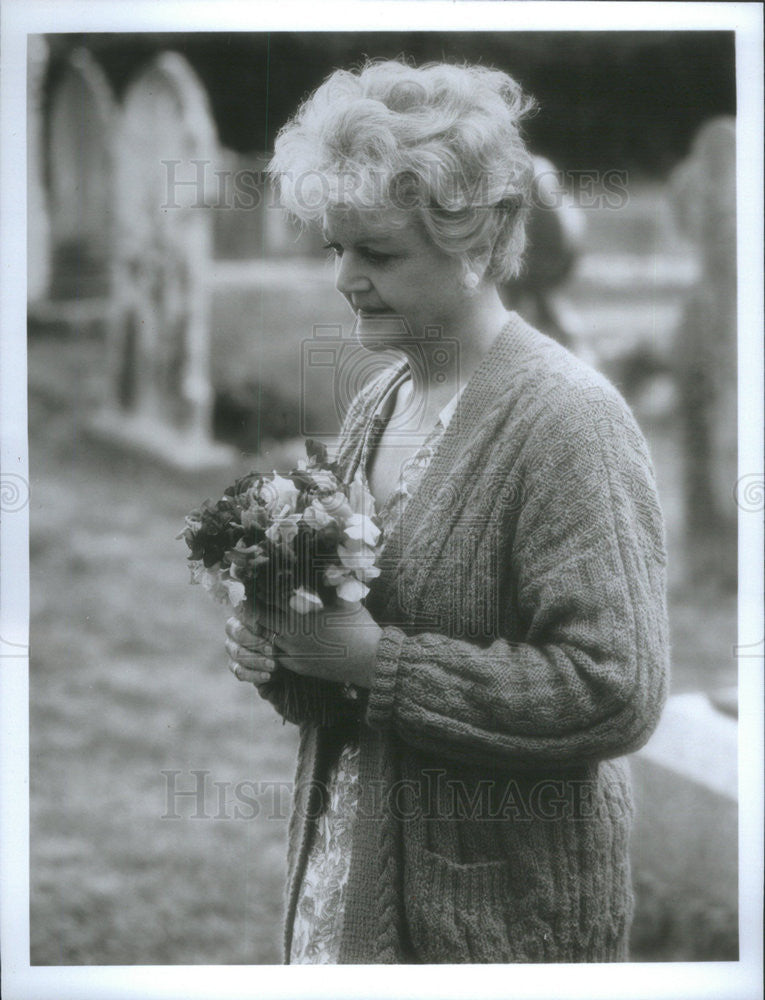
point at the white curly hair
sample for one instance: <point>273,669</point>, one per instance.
<point>441,140</point>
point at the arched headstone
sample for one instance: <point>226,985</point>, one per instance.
<point>38,226</point>
<point>80,132</point>
<point>703,191</point>
<point>166,151</point>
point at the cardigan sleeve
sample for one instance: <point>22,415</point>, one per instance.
<point>587,568</point>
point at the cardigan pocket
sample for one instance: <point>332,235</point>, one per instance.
<point>462,913</point>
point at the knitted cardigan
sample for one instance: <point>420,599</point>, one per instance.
<point>524,648</point>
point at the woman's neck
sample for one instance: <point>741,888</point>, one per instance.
<point>462,347</point>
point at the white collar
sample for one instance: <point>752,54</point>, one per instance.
<point>448,411</point>
<point>404,375</point>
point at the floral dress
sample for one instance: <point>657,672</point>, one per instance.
<point>318,925</point>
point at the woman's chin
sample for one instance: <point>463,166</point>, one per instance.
<point>381,331</point>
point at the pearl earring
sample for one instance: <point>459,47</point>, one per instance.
<point>471,281</point>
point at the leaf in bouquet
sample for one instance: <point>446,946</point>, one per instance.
<point>274,576</point>
<point>302,479</point>
<point>335,504</point>
<point>317,517</point>
<point>328,538</point>
<point>196,547</point>
<point>242,554</point>
<point>325,481</point>
<point>254,522</point>
<point>213,555</point>
<point>242,485</point>
<point>316,451</point>
<point>192,523</point>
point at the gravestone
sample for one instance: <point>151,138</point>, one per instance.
<point>684,847</point>
<point>703,192</point>
<point>160,397</point>
<point>79,158</point>
<point>38,227</point>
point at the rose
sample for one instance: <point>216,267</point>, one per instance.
<point>316,515</point>
<point>335,504</point>
<point>279,496</point>
<point>324,480</point>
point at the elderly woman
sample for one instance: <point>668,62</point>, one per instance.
<point>461,797</point>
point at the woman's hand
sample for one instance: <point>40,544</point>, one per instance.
<point>334,644</point>
<point>250,655</point>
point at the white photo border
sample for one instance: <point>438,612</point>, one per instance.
<point>740,980</point>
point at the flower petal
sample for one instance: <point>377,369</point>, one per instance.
<point>235,591</point>
<point>361,500</point>
<point>359,527</point>
<point>304,601</point>
<point>335,575</point>
<point>316,516</point>
<point>361,557</point>
<point>352,590</point>
<point>367,573</point>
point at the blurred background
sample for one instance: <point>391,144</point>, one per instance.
<point>171,312</point>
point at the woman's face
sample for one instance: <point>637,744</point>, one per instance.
<point>397,282</point>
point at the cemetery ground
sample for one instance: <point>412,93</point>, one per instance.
<point>128,682</point>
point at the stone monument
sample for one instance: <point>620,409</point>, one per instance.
<point>159,343</point>
<point>38,226</point>
<point>80,134</point>
<point>703,191</point>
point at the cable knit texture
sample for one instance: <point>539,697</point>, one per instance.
<point>524,650</point>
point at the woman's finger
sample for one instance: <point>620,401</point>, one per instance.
<point>247,654</point>
<point>273,621</point>
<point>241,632</point>
<point>248,675</point>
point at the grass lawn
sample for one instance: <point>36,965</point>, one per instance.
<point>128,679</point>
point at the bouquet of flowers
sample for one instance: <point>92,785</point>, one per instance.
<point>300,541</point>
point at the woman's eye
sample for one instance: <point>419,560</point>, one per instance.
<point>372,256</point>
<point>376,258</point>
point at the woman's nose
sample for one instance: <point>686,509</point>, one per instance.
<point>349,277</point>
